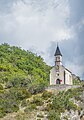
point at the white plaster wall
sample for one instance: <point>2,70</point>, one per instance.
<point>68,77</point>
<point>61,76</point>
<point>53,76</point>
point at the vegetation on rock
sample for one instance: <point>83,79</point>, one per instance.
<point>23,78</point>
<point>22,73</point>
<point>63,102</point>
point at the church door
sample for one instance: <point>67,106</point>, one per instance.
<point>58,81</point>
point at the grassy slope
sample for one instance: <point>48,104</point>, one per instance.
<point>22,73</point>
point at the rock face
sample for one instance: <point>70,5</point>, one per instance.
<point>75,115</point>
<point>61,87</point>
<point>82,105</point>
<point>70,115</point>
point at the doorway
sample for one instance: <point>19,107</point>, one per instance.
<point>58,81</point>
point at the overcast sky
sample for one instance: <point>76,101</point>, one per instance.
<point>38,25</point>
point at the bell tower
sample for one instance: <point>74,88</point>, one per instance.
<point>58,57</point>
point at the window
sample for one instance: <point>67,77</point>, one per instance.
<point>57,58</point>
<point>57,74</point>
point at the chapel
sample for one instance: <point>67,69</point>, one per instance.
<point>60,74</point>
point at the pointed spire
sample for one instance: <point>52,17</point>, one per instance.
<point>57,51</point>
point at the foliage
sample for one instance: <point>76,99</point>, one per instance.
<point>62,101</point>
<point>20,93</point>
<point>1,87</point>
<point>22,73</point>
<point>46,94</point>
<point>53,115</point>
<point>31,107</point>
<point>24,103</point>
<point>76,81</point>
<point>37,86</point>
<point>8,103</point>
<point>71,105</point>
<point>37,100</point>
<point>16,63</point>
<point>48,107</point>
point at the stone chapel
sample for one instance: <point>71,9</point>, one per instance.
<point>59,74</point>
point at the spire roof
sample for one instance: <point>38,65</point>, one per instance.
<point>57,51</point>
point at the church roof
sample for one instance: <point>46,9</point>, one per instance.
<point>67,69</point>
<point>57,51</point>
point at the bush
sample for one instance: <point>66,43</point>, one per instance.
<point>20,94</point>
<point>2,91</point>
<point>53,115</point>
<point>2,113</point>
<point>8,85</point>
<point>37,100</point>
<point>46,95</point>
<point>30,108</point>
<point>36,88</point>
<point>15,108</point>
<point>24,103</point>
<point>48,107</point>
<point>33,106</point>
<point>72,106</point>
<point>1,87</point>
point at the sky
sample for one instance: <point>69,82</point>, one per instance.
<point>38,25</point>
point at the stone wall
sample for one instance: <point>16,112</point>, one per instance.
<point>61,87</point>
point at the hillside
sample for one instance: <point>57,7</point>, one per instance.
<point>23,78</point>
<point>64,105</point>
<point>22,73</point>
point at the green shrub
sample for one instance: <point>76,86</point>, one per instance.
<point>24,103</point>
<point>46,95</point>
<point>15,108</point>
<point>58,104</point>
<point>2,91</point>
<point>1,87</point>
<point>37,100</point>
<point>53,115</point>
<point>19,93</point>
<point>31,107</point>
<point>36,88</point>
<point>2,113</point>
<point>72,106</point>
<point>78,98</point>
<point>48,107</point>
